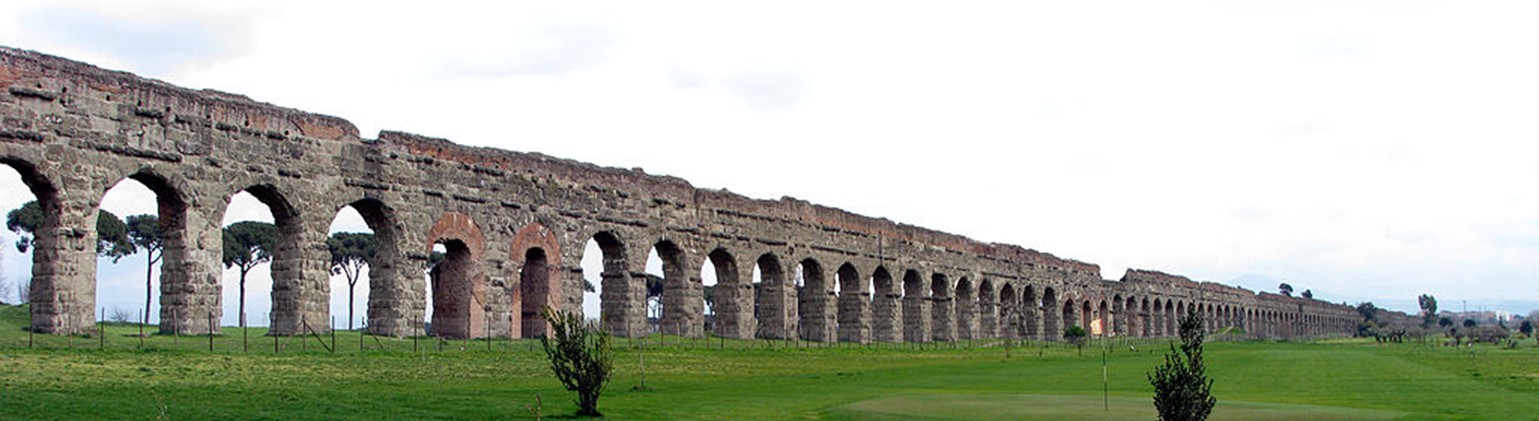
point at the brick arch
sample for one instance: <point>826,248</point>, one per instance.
<point>459,281</point>
<point>536,257</point>
<point>457,226</point>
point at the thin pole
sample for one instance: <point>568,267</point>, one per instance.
<point>270,333</point>
<point>304,344</point>
<point>361,333</point>
<point>245,335</point>
<point>210,331</point>
<point>101,334</point>
<point>141,327</point>
<point>334,334</point>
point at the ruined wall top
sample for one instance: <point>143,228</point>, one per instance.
<point>153,98</point>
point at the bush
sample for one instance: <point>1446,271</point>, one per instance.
<point>1182,390</point>
<point>1075,335</point>
<point>580,356</point>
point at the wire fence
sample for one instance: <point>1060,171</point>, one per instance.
<point>317,339</point>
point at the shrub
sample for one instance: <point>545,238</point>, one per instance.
<point>580,356</point>
<point>1182,390</point>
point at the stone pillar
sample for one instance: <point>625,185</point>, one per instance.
<point>1052,323</point>
<point>988,319</point>
<point>397,283</point>
<point>734,307</point>
<point>63,290</point>
<point>967,317</point>
<point>916,318</point>
<point>854,317</point>
<point>191,268</point>
<point>943,319</point>
<point>888,314</point>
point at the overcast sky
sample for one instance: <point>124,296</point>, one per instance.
<point>1368,150</point>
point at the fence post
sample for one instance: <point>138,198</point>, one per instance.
<point>210,331</point>
<point>141,327</point>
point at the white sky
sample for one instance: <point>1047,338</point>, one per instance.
<point>1364,149</point>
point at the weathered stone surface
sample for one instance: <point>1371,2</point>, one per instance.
<point>516,225</point>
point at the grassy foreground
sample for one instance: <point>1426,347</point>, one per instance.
<point>178,378</point>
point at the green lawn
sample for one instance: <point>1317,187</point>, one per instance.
<point>699,379</point>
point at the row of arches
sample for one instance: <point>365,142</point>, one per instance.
<point>781,297</point>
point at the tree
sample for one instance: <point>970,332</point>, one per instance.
<point>1285,289</point>
<point>350,252</point>
<point>144,233</point>
<point>1182,390</point>
<point>1307,294</point>
<point>579,354</point>
<point>1075,335</point>
<point>1428,309</point>
<point>1527,328</point>
<point>111,234</point>
<point>1470,323</point>
<point>246,245</point>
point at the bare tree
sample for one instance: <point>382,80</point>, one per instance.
<point>121,315</point>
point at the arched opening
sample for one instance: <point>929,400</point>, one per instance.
<point>1170,318</point>
<point>457,292</point>
<point>1087,316</point>
<point>887,306</point>
<point>534,292</point>
<point>1010,312</point>
<point>1052,316</point>
<point>942,312</point>
<point>771,296</point>
<point>988,310</point>
<point>853,297</point>
<point>1069,318</point>
<point>916,308</point>
<point>145,204</point>
<point>1103,323</point>
<point>21,183</point>
<point>261,253</point>
<point>1144,329</point>
<point>675,301</point>
<point>1128,318</point>
<point>608,292</point>
<point>966,304</point>
<point>813,292</point>
<point>362,242</point>
<point>725,314</point>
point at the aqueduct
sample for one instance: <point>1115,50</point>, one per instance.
<point>515,226</point>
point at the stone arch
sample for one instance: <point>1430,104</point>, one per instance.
<point>536,255</point>
<point>1009,311</point>
<point>965,304</point>
<point>682,297</point>
<point>458,280</point>
<point>988,309</point>
<point>916,308</point>
<point>731,312</point>
<point>854,311</point>
<point>942,311</point>
<point>62,291</point>
<point>1070,316</point>
<point>887,306</point>
<point>391,300</point>
<point>186,287</point>
<point>297,302</point>
<point>1052,315</point>
<point>815,316</point>
<point>772,298</point>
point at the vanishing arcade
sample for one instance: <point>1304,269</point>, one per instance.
<point>515,226</point>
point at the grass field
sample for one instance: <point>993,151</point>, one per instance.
<point>180,379</point>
